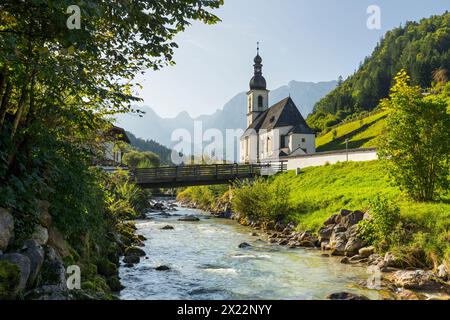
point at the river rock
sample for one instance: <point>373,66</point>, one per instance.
<point>53,272</point>
<point>283,242</point>
<point>353,245</point>
<point>45,219</point>
<point>6,228</point>
<point>415,280</point>
<point>331,220</point>
<point>442,272</point>
<point>167,228</point>
<point>40,235</point>
<point>325,232</point>
<point>346,296</point>
<point>162,268</point>
<point>244,245</point>
<point>345,260</point>
<point>189,219</point>
<point>132,259</point>
<point>56,241</point>
<point>35,253</point>
<point>366,251</point>
<point>254,234</point>
<point>389,261</point>
<point>24,264</point>
<point>339,228</point>
<point>134,251</point>
<point>352,218</point>
<point>337,242</point>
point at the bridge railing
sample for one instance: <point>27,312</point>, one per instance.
<point>206,172</point>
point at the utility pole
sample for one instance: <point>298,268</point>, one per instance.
<point>346,148</point>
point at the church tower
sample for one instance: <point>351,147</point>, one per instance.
<point>258,96</point>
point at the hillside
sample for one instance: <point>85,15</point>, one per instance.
<point>361,133</point>
<point>418,47</point>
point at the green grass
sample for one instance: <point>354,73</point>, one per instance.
<point>361,134</point>
<point>319,192</point>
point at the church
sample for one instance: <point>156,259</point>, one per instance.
<point>276,132</point>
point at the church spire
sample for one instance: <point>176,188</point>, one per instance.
<point>258,82</point>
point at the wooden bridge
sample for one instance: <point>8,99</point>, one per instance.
<point>196,175</point>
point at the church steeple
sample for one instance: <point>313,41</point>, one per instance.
<point>258,96</point>
<point>258,82</point>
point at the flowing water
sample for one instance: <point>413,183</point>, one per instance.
<point>206,263</point>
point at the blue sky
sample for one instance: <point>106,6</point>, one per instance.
<point>304,40</point>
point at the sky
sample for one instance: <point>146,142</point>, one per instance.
<point>303,40</point>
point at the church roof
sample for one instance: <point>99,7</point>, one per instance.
<point>282,114</point>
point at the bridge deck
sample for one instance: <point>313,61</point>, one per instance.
<point>194,175</point>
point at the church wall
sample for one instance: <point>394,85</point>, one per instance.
<point>309,143</point>
<point>323,158</point>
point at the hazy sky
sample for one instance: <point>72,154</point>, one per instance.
<point>304,40</point>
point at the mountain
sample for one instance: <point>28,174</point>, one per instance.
<point>231,116</point>
<point>418,47</point>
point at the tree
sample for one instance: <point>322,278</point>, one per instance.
<point>135,159</point>
<point>416,140</point>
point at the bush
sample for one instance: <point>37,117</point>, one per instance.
<point>261,199</point>
<point>384,224</point>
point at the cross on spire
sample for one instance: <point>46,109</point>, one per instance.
<point>257,47</point>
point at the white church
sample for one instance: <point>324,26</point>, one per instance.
<point>276,132</point>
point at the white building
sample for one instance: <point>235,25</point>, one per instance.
<point>275,132</point>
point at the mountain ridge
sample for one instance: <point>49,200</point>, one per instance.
<point>230,116</point>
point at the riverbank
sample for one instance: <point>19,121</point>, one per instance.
<point>413,253</point>
<point>71,253</point>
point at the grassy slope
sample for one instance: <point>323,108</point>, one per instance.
<point>321,191</point>
<point>361,134</point>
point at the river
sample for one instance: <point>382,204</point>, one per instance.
<point>206,263</point>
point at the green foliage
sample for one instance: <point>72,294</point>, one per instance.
<point>361,132</point>
<point>124,199</point>
<point>261,199</point>
<point>9,279</point>
<point>135,159</point>
<point>203,196</point>
<point>420,48</point>
<point>416,141</point>
<point>163,152</point>
<point>380,229</point>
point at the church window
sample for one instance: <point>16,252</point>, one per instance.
<point>260,102</point>
<point>284,141</point>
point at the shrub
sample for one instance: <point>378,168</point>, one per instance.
<point>261,199</point>
<point>384,220</point>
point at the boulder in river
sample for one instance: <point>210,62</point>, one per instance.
<point>130,260</point>
<point>244,245</point>
<point>189,219</point>
<point>366,251</point>
<point>162,268</point>
<point>167,228</point>
<point>134,251</point>
<point>346,296</point>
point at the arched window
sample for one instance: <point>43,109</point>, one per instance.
<point>260,102</point>
<point>249,104</point>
